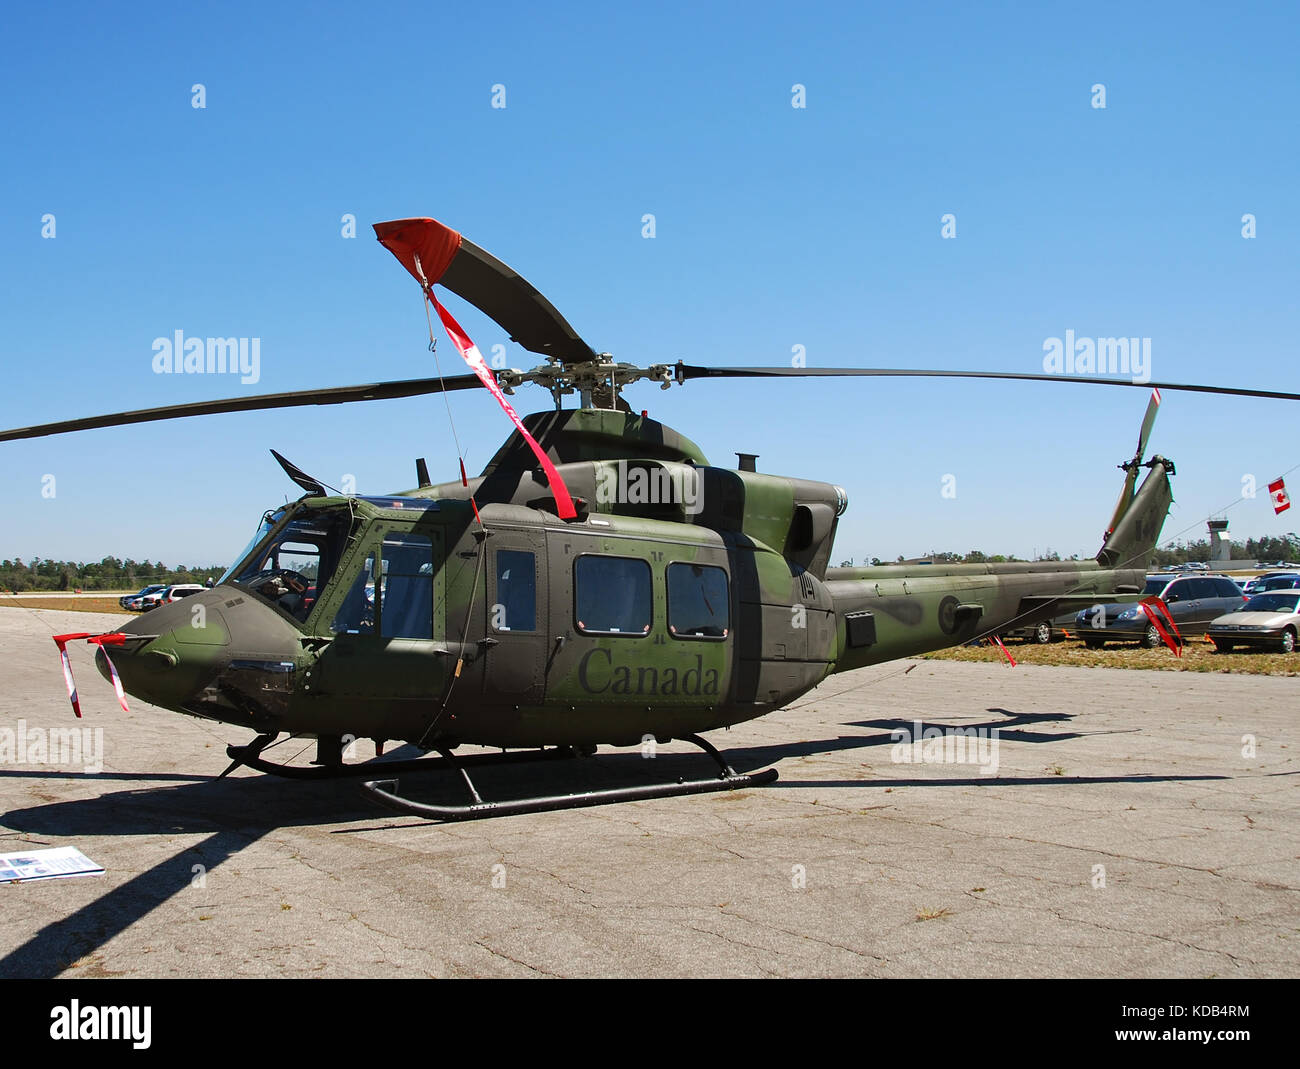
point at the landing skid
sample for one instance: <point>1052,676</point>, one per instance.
<point>728,779</point>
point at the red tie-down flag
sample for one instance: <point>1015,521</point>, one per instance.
<point>1281,502</point>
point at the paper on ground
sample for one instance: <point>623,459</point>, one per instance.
<point>52,864</point>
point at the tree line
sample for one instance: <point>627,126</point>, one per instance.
<point>18,576</point>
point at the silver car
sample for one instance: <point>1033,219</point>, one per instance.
<point>1269,620</point>
<point>1193,601</point>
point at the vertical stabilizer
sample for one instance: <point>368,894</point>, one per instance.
<point>1133,540</point>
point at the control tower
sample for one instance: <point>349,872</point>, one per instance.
<point>1220,547</point>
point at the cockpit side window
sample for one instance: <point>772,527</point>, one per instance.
<point>391,595</point>
<point>356,616</point>
<point>298,562</point>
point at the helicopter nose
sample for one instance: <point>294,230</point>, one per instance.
<point>168,649</point>
<point>223,654</point>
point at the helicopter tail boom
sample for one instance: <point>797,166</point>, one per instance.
<point>902,610</point>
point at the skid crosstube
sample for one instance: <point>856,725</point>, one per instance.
<point>249,757</point>
<point>728,779</point>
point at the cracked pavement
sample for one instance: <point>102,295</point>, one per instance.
<point>1129,831</point>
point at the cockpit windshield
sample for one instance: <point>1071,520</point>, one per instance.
<point>269,521</point>
<point>295,565</point>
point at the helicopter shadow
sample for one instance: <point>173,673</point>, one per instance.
<point>134,777</point>
<point>232,814</point>
<point>1012,727</point>
<point>746,758</point>
<point>235,813</point>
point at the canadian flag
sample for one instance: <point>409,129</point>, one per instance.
<point>1281,502</point>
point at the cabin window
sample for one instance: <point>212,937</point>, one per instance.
<point>698,601</point>
<point>515,608</point>
<point>406,588</point>
<point>612,595</point>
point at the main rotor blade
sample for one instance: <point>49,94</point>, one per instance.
<point>337,395</point>
<point>686,372</point>
<point>494,288</point>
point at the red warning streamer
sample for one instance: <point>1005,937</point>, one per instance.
<point>426,248</point>
<point>997,641</point>
<point>1159,615</point>
<point>467,348</point>
<point>108,638</point>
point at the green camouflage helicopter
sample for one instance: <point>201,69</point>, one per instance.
<point>598,583</point>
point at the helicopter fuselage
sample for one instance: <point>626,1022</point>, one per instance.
<point>470,613</point>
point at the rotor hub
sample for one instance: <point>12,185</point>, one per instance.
<point>599,382</point>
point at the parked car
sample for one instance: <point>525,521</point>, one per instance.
<point>166,595</point>
<point>180,590</point>
<point>149,601</point>
<point>1271,619</point>
<point>1193,600</point>
<point>1046,631</point>
<point>126,600</point>
<point>1253,583</point>
<point>1277,583</point>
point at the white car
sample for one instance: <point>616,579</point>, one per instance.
<point>168,594</point>
<point>1271,620</point>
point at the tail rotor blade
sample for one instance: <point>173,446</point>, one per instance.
<point>1131,468</point>
<point>1153,406</point>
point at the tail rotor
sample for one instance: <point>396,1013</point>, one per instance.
<point>1131,467</point>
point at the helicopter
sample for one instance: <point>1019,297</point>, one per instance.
<point>599,583</point>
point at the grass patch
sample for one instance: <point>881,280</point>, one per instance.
<point>1198,656</point>
<point>84,603</point>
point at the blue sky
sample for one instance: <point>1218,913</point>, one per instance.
<point>775,227</point>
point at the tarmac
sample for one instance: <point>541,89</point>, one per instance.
<point>1137,824</point>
